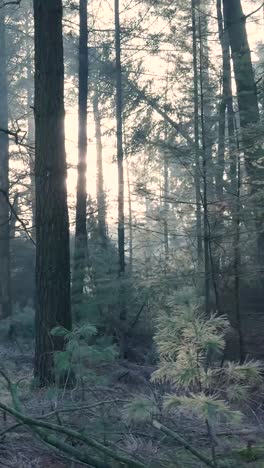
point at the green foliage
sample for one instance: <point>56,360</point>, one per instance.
<point>185,341</point>
<point>140,409</point>
<point>189,345</point>
<point>82,353</point>
<point>208,406</point>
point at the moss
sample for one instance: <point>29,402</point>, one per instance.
<point>250,454</point>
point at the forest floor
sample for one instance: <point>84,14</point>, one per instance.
<point>106,417</point>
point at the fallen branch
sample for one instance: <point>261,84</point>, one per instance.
<point>36,424</point>
<point>184,443</point>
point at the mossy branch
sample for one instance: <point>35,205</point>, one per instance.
<point>37,424</point>
<point>38,427</point>
<point>183,443</point>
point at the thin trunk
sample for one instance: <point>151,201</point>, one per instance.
<point>119,135</point>
<point>206,227</point>
<point>5,289</point>
<point>207,106</point>
<point>197,148</point>
<point>130,218</point>
<point>81,245</point>
<point>13,219</point>
<point>237,263</point>
<point>53,299</point>
<point>100,193</point>
<point>31,130</point>
<point>120,163</point>
<point>166,205</point>
<point>226,105</point>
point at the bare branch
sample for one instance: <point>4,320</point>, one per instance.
<point>15,135</point>
<point>13,211</point>
<point>255,11</point>
<point>12,2</point>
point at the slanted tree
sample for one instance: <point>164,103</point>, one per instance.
<point>5,290</point>
<point>53,299</point>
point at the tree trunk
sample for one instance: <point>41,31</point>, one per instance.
<point>166,205</point>
<point>119,135</point>
<point>130,218</point>
<point>207,103</point>
<point>120,164</point>
<point>196,138</point>
<point>210,283</point>
<point>100,193</point>
<point>53,300</point>
<point>31,131</point>
<point>235,23</point>
<point>5,289</point>
<point>81,245</point>
<point>226,105</point>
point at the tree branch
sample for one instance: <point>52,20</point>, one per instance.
<point>12,2</point>
<point>15,135</point>
<point>184,443</point>
<point>38,425</point>
<point>255,11</point>
<point>13,211</point>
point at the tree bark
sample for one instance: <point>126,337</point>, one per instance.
<point>119,135</point>
<point>53,301</point>
<point>5,289</point>
<point>100,193</point>
<point>81,244</point>
<point>120,164</point>
<point>226,108</point>
<point>208,260</point>
<point>130,218</point>
<point>166,205</point>
<point>31,130</point>
<point>196,139</point>
<point>235,23</point>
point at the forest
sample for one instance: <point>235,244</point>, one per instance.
<point>131,233</point>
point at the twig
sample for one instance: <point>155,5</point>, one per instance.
<point>135,320</point>
<point>254,11</point>
<point>13,211</point>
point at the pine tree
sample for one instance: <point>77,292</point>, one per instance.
<point>53,303</point>
<point>5,288</point>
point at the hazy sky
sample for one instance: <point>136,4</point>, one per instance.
<point>104,16</point>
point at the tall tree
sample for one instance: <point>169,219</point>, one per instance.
<point>226,109</point>
<point>100,194</point>
<point>5,290</point>
<point>31,125</point>
<point>196,139</point>
<point>120,165</point>
<point>235,22</point>
<point>53,300</point>
<point>119,136</point>
<point>80,254</point>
